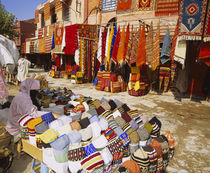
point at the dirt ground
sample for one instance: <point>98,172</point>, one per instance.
<point>187,120</point>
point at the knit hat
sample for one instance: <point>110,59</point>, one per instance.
<point>56,124</point>
<point>121,169</point>
<point>115,145</point>
<point>106,105</point>
<point>109,134</point>
<point>156,120</point>
<point>143,133</point>
<point>143,118</point>
<point>125,139</point>
<point>41,128</point>
<point>92,111</point>
<point>31,124</point>
<point>92,162</point>
<point>100,142</point>
<point>65,119</point>
<point>103,100</point>
<point>133,147</point>
<point>142,143</point>
<point>86,134</point>
<point>24,120</point>
<point>94,118</point>
<point>74,136</point>
<point>138,120</point>
<point>74,166</point>
<point>108,115</point>
<point>134,137</point>
<point>118,131</point>
<point>157,146</point>
<point>112,123</point>
<point>125,107</point>
<point>132,166</point>
<point>89,149</point>
<point>65,129</point>
<point>116,113</point>
<point>126,151</point>
<point>84,122</point>
<point>152,155</point>
<point>134,125</point>
<point>155,130</point>
<point>96,129</point>
<point>118,102</point>
<point>60,143</point>
<point>48,117</point>
<point>148,126</point>
<point>103,123</point>
<point>61,156</point>
<point>133,113</point>
<point>120,121</point>
<point>106,156</point>
<point>79,108</point>
<point>120,109</point>
<point>112,104</point>
<point>126,117</point>
<point>75,125</point>
<point>100,110</point>
<point>141,158</point>
<point>76,116</point>
<point>127,128</point>
<point>76,154</point>
<point>96,103</point>
<point>49,136</point>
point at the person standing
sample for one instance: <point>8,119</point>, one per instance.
<point>23,65</point>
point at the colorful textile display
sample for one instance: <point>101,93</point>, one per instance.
<point>164,78</point>
<point>113,40</point>
<point>206,36</point>
<point>192,19</point>
<point>166,8</point>
<point>58,39</point>
<point>71,39</point>
<point>124,5</point>
<point>99,52</point>
<point>127,35</point>
<point>129,48</point>
<point>204,54</point>
<point>116,46</point>
<point>145,5</point>
<point>120,53</point>
<point>104,35</point>
<point>149,45</point>
<point>109,44</point>
<point>48,41</point>
<point>87,31</point>
<point>166,48</point>
<point>141,51</point>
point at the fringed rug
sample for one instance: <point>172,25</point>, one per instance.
<point>124,5</point>
<point>192,17</point>
<point>207,25</point>
<point>145,5</point>
<point>167,7</point>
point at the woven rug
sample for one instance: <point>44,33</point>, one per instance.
<point>192,16</point>
<point>124,5</point>
<point>167,7</point>
<point>149,45</point>
<point>207,25</point>
<point>145,5</point>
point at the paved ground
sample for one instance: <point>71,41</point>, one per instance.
<point>187,120</point>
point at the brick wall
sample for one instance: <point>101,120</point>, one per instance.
<point>47,11</point>
<point>36,20</point>
<point>92,4</point>
<point>58,6</point>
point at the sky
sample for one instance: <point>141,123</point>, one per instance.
<point>22,9</point>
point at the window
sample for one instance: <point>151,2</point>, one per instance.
<point>53,15</point>
<point>42,20</point>
<point>109,5</point>
<point>66,14</point>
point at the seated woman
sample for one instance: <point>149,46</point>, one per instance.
<point>22,105</point>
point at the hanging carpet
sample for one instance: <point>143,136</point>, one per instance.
<point>166,7</point>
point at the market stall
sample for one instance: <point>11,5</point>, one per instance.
<point>94,135</point>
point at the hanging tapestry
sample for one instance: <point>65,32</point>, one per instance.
<point>204,54</point>
<point>149,45</point>
<point>107,45</point>
<point>40,33</point>
<point>156,49</point>
<point>41,45</point>
<point>103,44</point>
<point>71,39</point>
<point>116,46</point>
<point>124,5</point>
<point>121,48</point>
<point>113,40</point>
<point>99,52</point>
<point>174,41</point>
<point>58,39</point>
<point>88,31</point>
<point>167,7</point>
<point>141,51</point>
<point>51,29</point>
<point>145,5</point>
<point>130,43</point>
<point>166,48</point>
<point>48,42</point>
<point>192,16</point>
<point>89,62</point>
<point>135,46</point>
<point>32,46</point>
<point>127,35</point>
<point>207,25</point>
<point>81,55</point>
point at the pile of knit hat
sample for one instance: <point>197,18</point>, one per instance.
<point>103,136</point>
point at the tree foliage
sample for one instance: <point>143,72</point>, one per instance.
<point>7,23</point>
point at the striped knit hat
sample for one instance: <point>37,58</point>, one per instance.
<point>127,128</point>
<point>110,134</point>
<point>132,166</point>
<point>133,113</point>
<point>92,162</point>
<point>121,169</point>
<point>120,121</point>
<point>89,149</point>
<point>112,105</point>
<point>106,105</point>
<point>112,124</point>
<point>125,139</point>
<point>143,133</point>
<point>141,158</point>
<point>134,137</point>
<point>152,155</point>
<point>108,115</point>
<point>156,124</point>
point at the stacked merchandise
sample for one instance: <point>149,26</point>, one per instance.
<point>76,76</point>
<point>136,87</point>
<point>101,136</point>
<point>107,81</point>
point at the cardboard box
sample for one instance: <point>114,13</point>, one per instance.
<point>32,150</point>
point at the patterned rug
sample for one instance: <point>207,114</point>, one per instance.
<point>124,5</point>
<point>192,16</point>
<point>145,5</point>
<point>207,25</point>
<point>167,7</point>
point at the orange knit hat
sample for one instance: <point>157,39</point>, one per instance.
<point>132,166</point>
